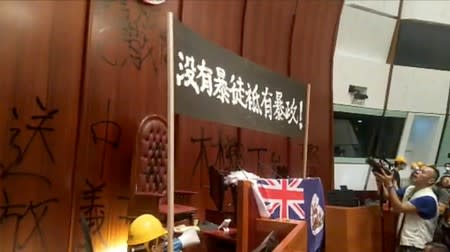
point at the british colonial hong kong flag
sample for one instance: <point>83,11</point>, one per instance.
<point>294,199</point>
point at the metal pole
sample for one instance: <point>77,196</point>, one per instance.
<point>171,133</point>
<point>305,144</point>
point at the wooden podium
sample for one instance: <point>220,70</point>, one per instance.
<point>251,230</point>
<point>352,229</point>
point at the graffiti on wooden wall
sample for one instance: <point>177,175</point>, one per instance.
<point>19,209</point>
<point>136,31</point>
<point>18,212</point>
<point>259,157</point>
<point>202,157</point>
<point>37,128</point>
<point>92,208</point>
<point>275,166</point>
<point>230,156</point>
<point>106,132</point>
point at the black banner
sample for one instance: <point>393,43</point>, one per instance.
<point>212,83</point>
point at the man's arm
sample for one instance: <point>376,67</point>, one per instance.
<point>383,188</point>
<point>391,192</point>
<point>424,206</point>
<point>442,208</point>
<point>396,204</point>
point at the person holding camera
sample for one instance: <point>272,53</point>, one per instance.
<point>417,205</point>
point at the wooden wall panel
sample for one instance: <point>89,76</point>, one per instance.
<point>102,66</point>
<point>218,21</point>
<point>41,59</point>
<point>224,28</point>
<point>266,41</point>
<point>267,33</point>
<point>313,44</point>
<point>125,80</point>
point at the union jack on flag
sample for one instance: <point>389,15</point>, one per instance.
<point>283,198</point>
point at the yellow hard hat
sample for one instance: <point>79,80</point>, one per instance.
<point>417,165</point>
<point>145,228</point>
<point>400,159</point>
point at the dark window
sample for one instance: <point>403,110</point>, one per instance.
<point>356,135</point>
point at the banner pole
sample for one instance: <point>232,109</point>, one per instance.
<point>171,133</point>
<point>305,144</point>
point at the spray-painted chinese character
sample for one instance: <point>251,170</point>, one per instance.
<point>108,132</point>
<point>92,209</point>
<point>38,128</point>
<point>18,212</point>
<point>132,27</point>
<point>259,161</point>
<point>203,154</point>
<point>234,154</point>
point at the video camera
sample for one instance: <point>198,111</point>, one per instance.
<point>378,166</point>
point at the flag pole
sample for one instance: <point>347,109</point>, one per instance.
<point>171,133</point>
<point>305,144</point>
